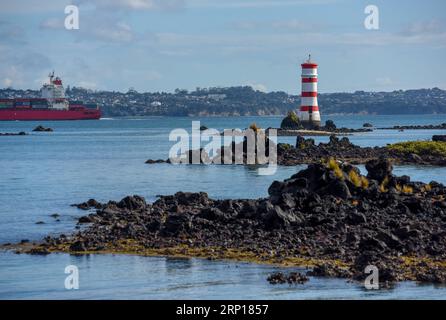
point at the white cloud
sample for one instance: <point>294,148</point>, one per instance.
<point>27,6</point>
<point>7,82</point>
<point>246,25</point>
<point>52,23</point>
<point>133,4</point>
<point>254,3</point>
<point>151,75</point>
<point>88,85</point>
<point>275,41</point>
<point>96,28</point>
<point>384,81</point>
<point>13,76</point>
<point>10,32</point>
<point>429,27</point>
<point>116,32</point>
<point>32,6</point>
<point>293,24</point>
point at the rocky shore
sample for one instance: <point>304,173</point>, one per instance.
<point>439,138</point>
<point>302,132</point>
<point>321,131</point>
<point>327,217</point>
<point>21,133</point>
<point>305,151</point>
<point>39,128</point>
<point>418,127</point>
<point>292,126</point>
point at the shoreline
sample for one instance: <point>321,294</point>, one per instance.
<point>409,267</point>
<point>305,151</point>
<point>208,253</point>
<point>327,217</point>
<point>295,133</point>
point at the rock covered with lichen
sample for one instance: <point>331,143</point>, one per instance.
<point>291,122</point>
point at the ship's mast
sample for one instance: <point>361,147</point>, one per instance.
<point>51,76</point>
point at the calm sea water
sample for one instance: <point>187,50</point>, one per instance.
<point>44,173</point>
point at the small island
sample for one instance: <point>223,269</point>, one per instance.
<point>292,126</point>
<point>21,133</point>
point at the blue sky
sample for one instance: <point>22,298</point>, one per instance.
<point>160,45</point>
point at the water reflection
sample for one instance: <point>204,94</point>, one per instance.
<point>172,264</point>
<point>136,277</point>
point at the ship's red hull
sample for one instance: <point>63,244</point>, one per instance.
<point>33,114</point>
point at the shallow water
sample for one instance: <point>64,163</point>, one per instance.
<point>134,277</point>
<point>44,173</point>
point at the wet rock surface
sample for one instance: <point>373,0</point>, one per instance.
<point>291,278</point>
<point>328,216</point>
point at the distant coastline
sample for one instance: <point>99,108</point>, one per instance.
<point>245,101</point>
<point>266,115</point>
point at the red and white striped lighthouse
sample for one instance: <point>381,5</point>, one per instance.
<point>309,110</point>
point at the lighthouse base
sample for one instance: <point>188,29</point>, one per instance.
<point>310,117</point>
<point>310,125</point>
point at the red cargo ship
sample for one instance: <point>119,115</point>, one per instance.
<point>51,106</point>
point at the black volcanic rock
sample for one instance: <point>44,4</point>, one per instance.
<point>40,128</point>
<point>291,278</point>
<point>418,127</point>
<point>328,212</point>
<point>78,246</point>
<point>90,204</point>
<point>132,203</point>
<point>439,138</point>
<point>330,125</point>
<point>21,133</point>
<point>379,169</point>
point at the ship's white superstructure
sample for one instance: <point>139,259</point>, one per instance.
<point>54,92</point>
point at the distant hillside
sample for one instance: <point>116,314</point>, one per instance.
<point>246,101</point>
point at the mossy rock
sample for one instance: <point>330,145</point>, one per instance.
<point>432,148</point>
<point>291,122</point>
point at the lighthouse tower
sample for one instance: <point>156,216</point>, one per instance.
<point>309,110</point>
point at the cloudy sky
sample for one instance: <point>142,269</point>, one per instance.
<point>160,45</point>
